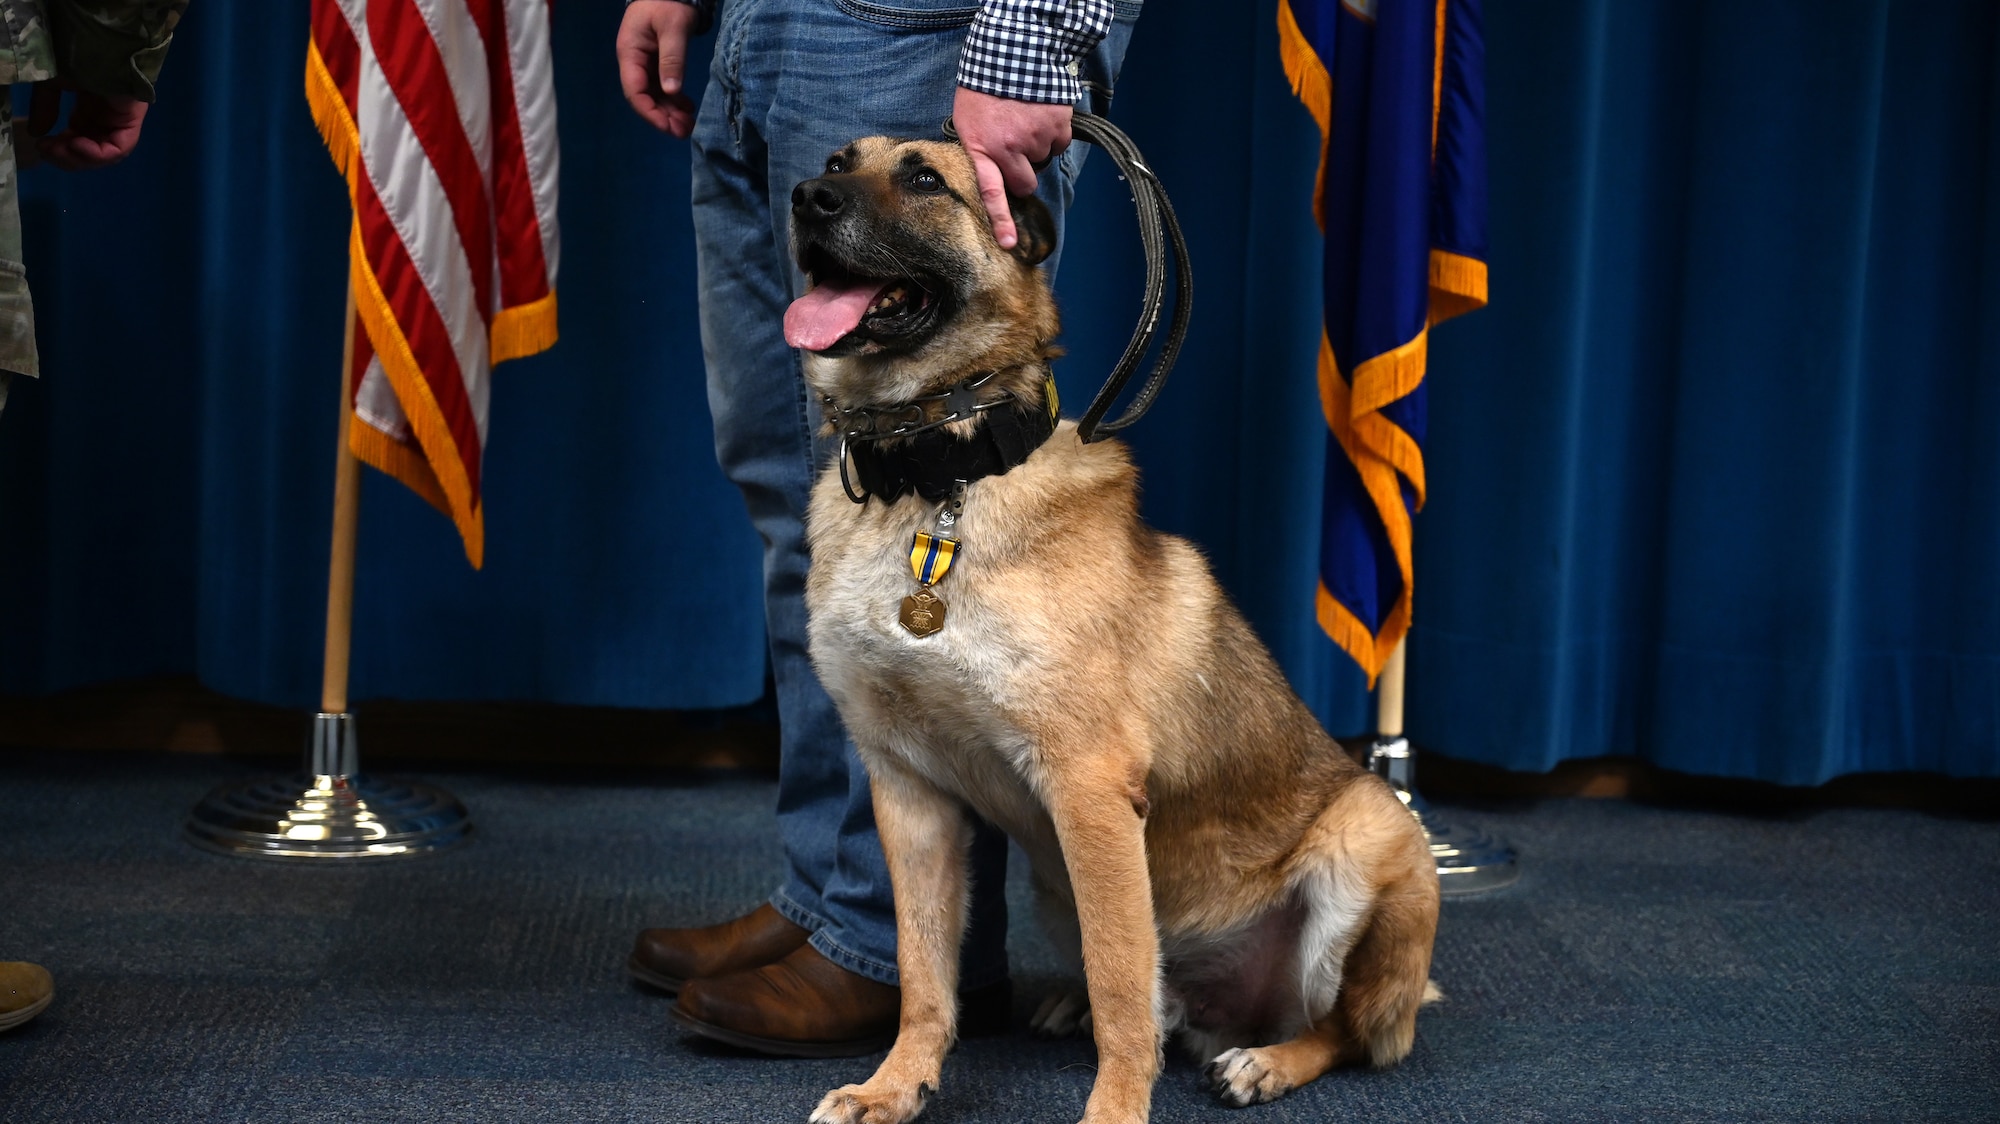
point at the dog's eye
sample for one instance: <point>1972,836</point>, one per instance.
<point>835,165</point>
<point>927,182</point>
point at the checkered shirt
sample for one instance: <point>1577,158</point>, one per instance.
<point>1026,50</point>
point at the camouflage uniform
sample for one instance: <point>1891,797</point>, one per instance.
<point>109,47</point>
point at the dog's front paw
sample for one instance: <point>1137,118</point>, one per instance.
<point>867,1104</point>
<point>1061,1015</point>
<point>1242,1077</point>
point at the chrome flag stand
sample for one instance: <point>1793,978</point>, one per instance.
<point>331,812</point>
<point>1468,860</point>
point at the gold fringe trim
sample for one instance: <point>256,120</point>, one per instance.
<point>1388,441</point>
<point>1346,630</point>
<point>523,330</point>
<point>1374,445</point>
<point>1370,652</point>
<point>329,112</point>
<point>1313,87</point>
<point>442,479</point>
<point>1377,383</point>
<point>1383,454</point>
<point>1391,375</point>
<point>379,451</point>
<point>426,417</point>
<point>1458,285</point>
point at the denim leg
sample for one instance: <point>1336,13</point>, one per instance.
<point>792,81</point>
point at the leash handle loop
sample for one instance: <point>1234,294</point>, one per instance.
<point>1159,233</point>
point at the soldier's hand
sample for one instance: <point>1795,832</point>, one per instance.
<point>1009,141</point>
<point>652,62</point>
<point>103,128</point>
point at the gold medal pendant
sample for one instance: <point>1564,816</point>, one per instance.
<point>923,612</point>
<point>931,555</point>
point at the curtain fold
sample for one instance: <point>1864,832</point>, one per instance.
<point>1741,327</point>
<point>1714,480</point>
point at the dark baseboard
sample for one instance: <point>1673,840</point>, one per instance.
<point>180,715</point>
<point>1630,778</point>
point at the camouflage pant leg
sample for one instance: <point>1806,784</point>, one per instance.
<point>17,312</point>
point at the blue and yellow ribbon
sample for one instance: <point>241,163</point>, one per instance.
<point>931,557</point>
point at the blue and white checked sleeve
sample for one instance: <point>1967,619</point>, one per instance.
<point>1026,50</point>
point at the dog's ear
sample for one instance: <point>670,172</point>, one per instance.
<point>1034,229</point>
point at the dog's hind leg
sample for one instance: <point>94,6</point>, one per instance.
<point>1364,955</point>
<point>925,838</point>
<point>1374,1021</point>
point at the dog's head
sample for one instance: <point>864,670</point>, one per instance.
<point>907,289</point>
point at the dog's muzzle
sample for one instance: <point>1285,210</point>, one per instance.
<point>850,305</point>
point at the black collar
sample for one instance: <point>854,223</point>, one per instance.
<point>928,459</point>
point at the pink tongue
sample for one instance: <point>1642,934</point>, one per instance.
<point>827,312</point>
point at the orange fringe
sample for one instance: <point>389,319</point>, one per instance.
<point>523,330</point>
<point>1373,444</point>
<point>1381,452</point>
<point>439,476</point>
<point>1314,87</point>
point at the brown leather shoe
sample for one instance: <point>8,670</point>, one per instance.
<point>25,991</point>
<point>668,958</point>
<point>806,1006</point>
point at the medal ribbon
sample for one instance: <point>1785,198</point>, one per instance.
<point>931,557</point>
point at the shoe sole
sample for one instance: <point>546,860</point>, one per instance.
<point>15,1018</point>
<point>658,981</point>
<point>785,1048</point>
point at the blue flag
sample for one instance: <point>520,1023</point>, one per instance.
<point>1398,89</point>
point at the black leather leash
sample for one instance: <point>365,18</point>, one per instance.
<point>929,461</point>
<point>1159,233</point>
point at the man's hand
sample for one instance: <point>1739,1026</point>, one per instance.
<point>652,59</point>
<point>1007,140</point>
<point>103,128</point>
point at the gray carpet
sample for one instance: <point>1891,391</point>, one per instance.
<point>1652,964</point>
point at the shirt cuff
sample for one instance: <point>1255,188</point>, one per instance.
<point>1027,50</point>
<point>114,50</point>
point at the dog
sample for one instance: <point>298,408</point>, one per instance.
<point>1216,864</point>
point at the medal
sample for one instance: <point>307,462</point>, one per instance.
<point>923,612</point>
<point>931,555</point>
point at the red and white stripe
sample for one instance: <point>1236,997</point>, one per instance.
<point>443,114</point>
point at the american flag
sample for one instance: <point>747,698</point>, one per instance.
<point>442,115</point>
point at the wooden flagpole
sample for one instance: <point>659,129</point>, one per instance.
<point>332,814</point>
<point>346,512</point>
<point>1468,861</point>
<point>1389,692</point>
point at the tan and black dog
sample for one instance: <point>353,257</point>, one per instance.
<point>1221,870</point>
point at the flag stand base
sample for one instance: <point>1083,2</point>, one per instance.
<point>1468,860</point>
<point>330,813</point>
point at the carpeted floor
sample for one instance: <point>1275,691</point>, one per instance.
<point>1652,964</point>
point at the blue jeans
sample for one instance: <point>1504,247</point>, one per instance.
<point>792,81</point>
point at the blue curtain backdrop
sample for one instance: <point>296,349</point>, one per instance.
<point>1715,480</point>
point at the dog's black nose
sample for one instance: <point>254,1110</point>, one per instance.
<point>820,197</point>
